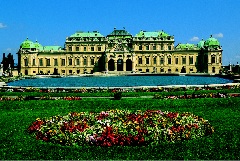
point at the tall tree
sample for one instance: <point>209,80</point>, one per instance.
<point>7,61</point>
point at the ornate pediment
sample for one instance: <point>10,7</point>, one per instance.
<point>119,47</point>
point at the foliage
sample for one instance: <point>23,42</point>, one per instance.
<point>117,95</point>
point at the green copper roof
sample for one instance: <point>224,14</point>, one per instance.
<point>185,46</point>
<point>27,44</point>
<point>152,34</point>
<point>120,33</point>
<point>52,48</point>
<point>201,44</point>
<point>211,42</point>
<point>87,34</point>
<point>38,46</point>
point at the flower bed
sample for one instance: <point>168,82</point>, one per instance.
<point>120,127</point>
<point>113,90</point>
<point>27,98</point>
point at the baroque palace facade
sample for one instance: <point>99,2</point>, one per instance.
<point>120,52</point>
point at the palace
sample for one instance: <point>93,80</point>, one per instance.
<point>120,52</point>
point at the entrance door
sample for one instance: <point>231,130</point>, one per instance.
<point>111,65</point>
<point>119,65</point>
<point>26,72</point>
<point>129,65</point>
<point>183,70</point>
<point>55,72</point>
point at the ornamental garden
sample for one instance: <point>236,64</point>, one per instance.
<point>146,123</point>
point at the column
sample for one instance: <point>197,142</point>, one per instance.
<point>124,65</point>
<point>106,64</point>
<point>115,65</point>
<point>133,63</point>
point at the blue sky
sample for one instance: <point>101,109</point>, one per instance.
<point>51,21</point>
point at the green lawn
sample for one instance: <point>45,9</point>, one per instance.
<point>223,115</point>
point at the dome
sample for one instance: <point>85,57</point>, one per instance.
<point>27,44</point>
<point>38,45</point>
<point>201,44</point>
<point>210,42</point>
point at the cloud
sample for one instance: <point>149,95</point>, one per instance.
<point>219,35</point>
<point>8,49</point>
<point>2,25</point>
<point>195,38</point>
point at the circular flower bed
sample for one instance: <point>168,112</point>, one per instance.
<point>120,127</point>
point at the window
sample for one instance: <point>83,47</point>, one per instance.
<point>99,48</point>
<point>162,60</point>
<point>70,48</point>
<point>77,48</point>
<point>92,48</point>
<point>41,62</point>
<point>213,69</point>
<point>183,60</point>
<point>34,62</point>
<point>169,60</point>
<point>85,48</point>
<point>154,60</point>
<point>147,47</point>
<point>176,60</point>
<point>191,69</point>
<point>92,61</point>
<point>25,62</point>
<point>78,71</point>
<point>176,70</point>
<point>34,71</point>
<point>47,62</point>
<point>55,62</point>
<point>77,62</point>
<point>169,70</point>
<point>70,71</point>
<point>139,60</point>
<point>190,60</point>
<point>140,70</point>
<point>84,61</point>
<point>154,47</point>
<point>63,71</point>
<point>63,62</point>
<point>70,61</point>
<point>162,47</point>
<point>140,47</point>
<point>220,60</point>
<point>169,47</point>
<point>213,59</point>
<point>162,70</point>
<point>147,70</point>
<point>147,60</point>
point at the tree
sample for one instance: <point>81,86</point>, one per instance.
<point>6,61</point>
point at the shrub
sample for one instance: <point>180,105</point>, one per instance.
<point>117,95</point>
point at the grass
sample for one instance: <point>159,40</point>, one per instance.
<point>222,113</point>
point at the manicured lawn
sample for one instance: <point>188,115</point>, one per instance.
<point>223,115</point>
